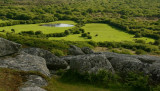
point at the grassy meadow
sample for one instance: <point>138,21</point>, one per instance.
<point>37,27</point>
<point>105,33</point>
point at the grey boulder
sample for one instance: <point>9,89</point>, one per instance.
<point>128,64</point>
<point>74,50</point>
<point>52,61</point>
<point>8,47</point>
<point>33,83</point>
<point>25,62</point>
<point>87,50</point>
<point>90,63</point>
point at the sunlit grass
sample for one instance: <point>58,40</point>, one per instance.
<point>37,27</point>
<point>105,32</point>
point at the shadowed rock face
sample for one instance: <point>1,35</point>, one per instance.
<point>8,47</point>
<point>53,62</point>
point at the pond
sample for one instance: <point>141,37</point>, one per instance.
<point>58,25</point>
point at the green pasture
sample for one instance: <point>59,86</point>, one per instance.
<point>37,27</point>
<point>105,33</point>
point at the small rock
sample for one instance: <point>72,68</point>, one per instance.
<point>87,50</point>
<point>8,47</point>
<point>74,50</point>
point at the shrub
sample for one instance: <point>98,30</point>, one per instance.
<point>38,32</point>
<point>140,52</point>
<point>57,52</point>
<point>138,35</point>
<point>82,30</point>
<point>89,37</point>
<point>66,32</point>
<point>84,35</point>
<point>13,30</point>
<point>137,81</point>
<point>76,32</point>
<point>140,41</point>
<point>28,32</point>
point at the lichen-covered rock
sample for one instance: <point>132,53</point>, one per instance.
<point>128,64</point>
<point>52,61</point>
<point>87,50</point>
<point>74,50</point>
<point>8,47</point>
<point>90,63</point>
<point>25,62</point>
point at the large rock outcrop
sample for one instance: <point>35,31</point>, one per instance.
<point>25,62</point>
<point>52,61</point>
<point>8,47</point>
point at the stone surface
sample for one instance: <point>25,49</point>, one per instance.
<point>34,80</point>
<point>87,50</point>
<point>90,63</point>
<point>128,64</point>
<point>53,62</point>
<point>8,47</point>
<point>74,50</point>
<point>35,88</point>
<point>154,71</point>
<point>25,62</point>
<point>33,83</point>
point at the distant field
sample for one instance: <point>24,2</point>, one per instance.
<point>36,27</point>
<point>105,33</point>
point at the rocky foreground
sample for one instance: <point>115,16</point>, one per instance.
<point>13,56</point>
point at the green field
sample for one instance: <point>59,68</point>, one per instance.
<point>105,33</point>
<point>37,27</point>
